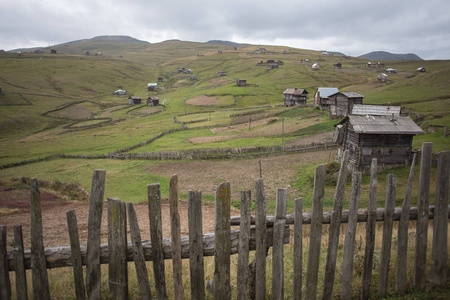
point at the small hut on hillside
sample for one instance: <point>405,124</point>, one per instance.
<point>382,77</point>
<point>241,82</point>
<point>132,100</point>
<point>316,66</point>
<point>152,86</point>
<point>295,96</point>
<point>337,66</point>
<point>220,73</point>
<point>421,69</point>
<point>152,101</point>
<point>391,71</point>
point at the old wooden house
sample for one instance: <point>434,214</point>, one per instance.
<point>241,82</point>
<point>337,66</point>
<point>295,96</point>
<point>152,86</point>
<point>370,64</point>
<point>386,138</point>
<point>193,77</point>
<point>132,100</point>
<point>220,73</point>
<point>380,64</point>
<point>315,66</point>
<point>321,97</point>
<point>421,69</point>
<point>382,77</point>
<point>341,103</point>
<point>160,79</point>
<point>152,101</point>
<point>391,71</point>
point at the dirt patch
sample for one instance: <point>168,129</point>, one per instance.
<point>203,100</point>
<point>76,112</point>
<point>216,82</point>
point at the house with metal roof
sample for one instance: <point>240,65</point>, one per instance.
<point>321,96</point>
<point>376,110</point>
<point>386,138</point>
<point>341,103</point>
<point>295,96</point>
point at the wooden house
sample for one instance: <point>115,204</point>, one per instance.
<point>341,103</point>
<point>371,64</point>
<point>160,79</point>
<point>321,96</point>
<point>134,100</point>
<point>241,82</point>
<point>421,69</point>
<point>220,73</point>
<point>53,51</point>
<point>391,71</point>
<point>152,87</point>
<point>386,138</point>
<point>180,70</point>
<point>380,64</point>
<point>270,61</point>
<point>382,77</point>
<point>337,66</point>
<point>193,77</point>
<point>152,101</point>
<point>295,96</point>
<point>120,92</point>
<point>316,66</point>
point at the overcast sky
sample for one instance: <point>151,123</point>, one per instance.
<point>353,27</point>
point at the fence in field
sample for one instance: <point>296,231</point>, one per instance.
<point>268,231</point>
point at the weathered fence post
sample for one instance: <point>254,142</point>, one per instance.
<point>316,233</point>
<point>402,237</point>
<point>117,246</point>
<point>221,283</point>
<point>261,243</point>
<point>349,246</point>
<point>196,264</point>
<point>5,284</point>
<point>277,250</point>
<point>387,234</point>
<point>370,231</point>
<point>420,265</point>
<point>19,265</point>
<point>244,238</point>
<point>298,249</point>
<point>335,229</point>
<point>93,271</point>
<point>138,254</point>
<point>439,253</point>
<point>38,261</point>
<point>176,238</point>
<point>154,211</point>
<point>75,255</point>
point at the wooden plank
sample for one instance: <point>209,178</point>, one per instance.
<point>5,283</point>
<point>387,235</point>
<point>196,264</point>
<point>402,236</point>
<point>221,283</point>
<point>277,250</point>
<point>19,265</point>
<point>420,259</point>
<point>138,254</point>
<point>439,252</point>
<point>298,249</point>
<point>335,229</point>
<point>72,226</point>
<point>316,233</point>
<point>176,239</point>
<point>370,231</point>
<point>261,243</point>
<point>350,235</point>
<point>117,242</point>
<point>244,238</point>
<point>38,261</point>
<point>154,209</point>
<point>93,271</point>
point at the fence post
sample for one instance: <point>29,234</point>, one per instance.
<point>298,249</point>
<point>75,256</point>
<point>277,250</point>
<point>5,284</point>
<point>244,238</point>
<point>335,229</point>
<point>93,271</point>
<point>38,261</point>
<point>402,237</point>
<point>154,212</point>
<point>19,265</point>
<point>387,234</point>
<point>176,238</point>
<point>117,245</point>
<point>316,233</point>
<point>138,254</point>
<point>261,243</point>
<point>420,265</point>
<point>370,231</point>
<point>439,252</point>
<point>349,246</point>
<point>221,283</point>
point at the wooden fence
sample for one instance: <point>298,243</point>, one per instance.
<point>258,232</point>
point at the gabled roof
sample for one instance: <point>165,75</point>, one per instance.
<point>348,94</point>
<point>376,110</point>
<point>325,92</point>
<point>382,125</point>
<point>295,91</point>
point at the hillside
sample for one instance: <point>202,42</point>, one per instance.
<point>383,55</point>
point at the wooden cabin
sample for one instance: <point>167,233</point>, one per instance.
<point>134,100</point>
<point>337,66</point>
<point>386,138</point>
<point>380,64</point>
<point>371,64</point>
<point>152,101</point>
<point>160,79</point>
<point>421,69</point>
<point>391,71</point>
<point>295,96</point>
<point>241,82</point>
<point>341,103</point>
<point>321,97</point>
<point>316,66</point>
<point>382,77</point>
<point>152,87</point>
<point>193,77</point>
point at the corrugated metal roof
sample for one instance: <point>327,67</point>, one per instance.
<point>325,92</point>
<point>352,95</point>
<point>295,91</point>
<point>376,110</point>
<point>383,125</point>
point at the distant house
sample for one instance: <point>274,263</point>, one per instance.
<point>152,101</point>
<point>325,53</point>
<point>380,64</point>
<point>341,103</point>
<point>152,86</point>
<point>188,71</point>
<point>134,100</point>
<point>270,61</point>
<point>220,51</point>
<point>53,51</point>
<point>180,70</point>
<point>315,66</point>
<point>376,110</point>
<point>220,73</point>
<point>193,77</point>
<point>421,69</point>
<point>386,138</point>
<point>337,66</point>
<point>391,71</point>
<point>120,92</point>
<point>295,96</point>
<point>283,52</point>
<point>87,53</point>
<point>241,82</point>
<point>371,64</point>
<point>160,79</point>
<point>321,97</point>
<point>272,66</point>
<point>382,77</point>
<point>39,51</point>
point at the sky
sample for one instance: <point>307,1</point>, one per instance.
<point>353,27</point>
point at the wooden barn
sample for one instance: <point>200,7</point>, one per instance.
<point>321,96</point>
<point>152,101</point>
<point>241,82</point>
<point>391,71</point>
<point>386,138</point>
<point>421,69</point>
<point>134,100</point>
<point>295,96</point>
<point>341,103</point>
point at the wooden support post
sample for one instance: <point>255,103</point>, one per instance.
<point>420,262</point>
<point>72,226</point>
<point>316,233</point>
<point>19,265</point>
<point>261,244</point>
<point>439,252</point>
<point>278,253</point>
<point>138,254</point>
<point>93,271</point>
<point>350,235</point>
<point>370,231</point>
<point>298,249</point>
<point>5,283</point>
<point>38,261</point>
<point>244,239</point>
